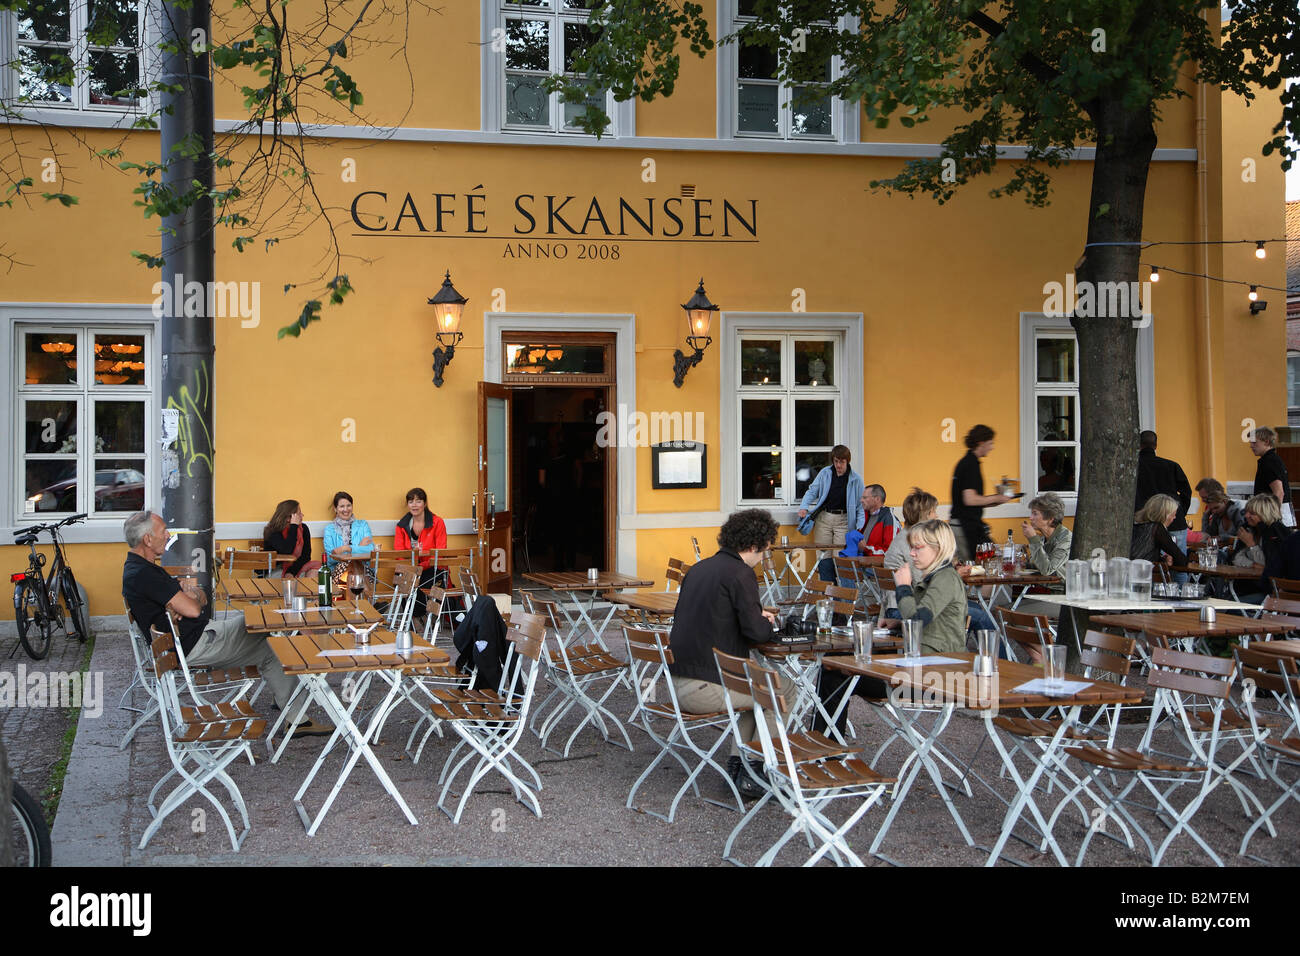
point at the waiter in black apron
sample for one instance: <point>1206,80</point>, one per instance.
<point>968,498</point>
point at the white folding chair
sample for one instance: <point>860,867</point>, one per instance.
<point>491,725</point>
<point>201,742</point>
<point>144,678</point>
<point>1181,683</point>
<point>579,679</point>
<point>804,784</point>
<point>1275,678</point>
<point>656,704</point>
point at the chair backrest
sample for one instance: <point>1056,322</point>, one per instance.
<point>165,656</point>
<point>1277,605</point>
<point>548,610</point>
<point>1027,630</point>
<point>675,572</point>
<point>249,560</point>
<point>845,599</point>
<point>1287,585</point>
<point>695,545</point>
<point>649,645</point>
<point>885,580</point>
<point>1270,672</point>
<point>1027,637</point>
<point>1109,653</point>
<point>742,676</point>
<point>467,583</point>
<point>526,633</point>
<point>1196,674</point>
<point>846,569</point>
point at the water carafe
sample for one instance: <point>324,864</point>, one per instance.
<point>1139,574</point>
<point>1117,570</point>
<point>1076,579</point>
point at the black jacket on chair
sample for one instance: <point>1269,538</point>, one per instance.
<point>482,623</point>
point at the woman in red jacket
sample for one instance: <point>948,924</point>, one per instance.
<point>421,528</point>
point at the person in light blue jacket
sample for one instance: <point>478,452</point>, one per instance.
<point>833,502</point>
<point>347,537</point>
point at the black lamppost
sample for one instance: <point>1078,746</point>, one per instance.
<point>699,315</point>
<point>447,307</point>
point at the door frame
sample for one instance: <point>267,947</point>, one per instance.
<point>624,398</point>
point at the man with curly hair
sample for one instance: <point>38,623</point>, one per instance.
<point>718,606</point>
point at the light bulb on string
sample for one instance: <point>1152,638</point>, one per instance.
<point>1259,250</point>
<point>1155,273</point>
<point>1253,294</point>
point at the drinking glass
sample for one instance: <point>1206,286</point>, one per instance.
<point>357,585</point>
<point>1054,665</point>
<point>911,639</point>
<point>986,652</point>
<point>862,637</point>
<point>825,614</point>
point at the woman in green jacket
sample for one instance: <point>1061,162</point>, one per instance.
<point>938,599</point>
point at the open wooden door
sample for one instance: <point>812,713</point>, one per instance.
<point>492,507</point>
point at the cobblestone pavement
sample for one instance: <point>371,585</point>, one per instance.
<point>584,820</point>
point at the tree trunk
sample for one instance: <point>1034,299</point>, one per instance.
<point>187,340</point>
<point>1108,343</point>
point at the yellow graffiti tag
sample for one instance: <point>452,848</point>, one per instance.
<point>194,445</point>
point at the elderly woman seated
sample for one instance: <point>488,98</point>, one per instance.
<point>1048,539</point>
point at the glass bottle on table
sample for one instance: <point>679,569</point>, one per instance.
<point>323,584</point>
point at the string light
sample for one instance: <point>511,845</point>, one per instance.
<point>1253,294</point>
<point>1155,273</point>
<point>1201,275</point>
<point>1259,250</point>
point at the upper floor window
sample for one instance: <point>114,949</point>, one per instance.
<point>74,54</point>
<point>544,37</point>
<point>764,106</point>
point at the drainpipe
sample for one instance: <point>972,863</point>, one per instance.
<point>1208,438</point>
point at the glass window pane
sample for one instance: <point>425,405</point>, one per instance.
<point>756,108</point>
<point>527,104</point>
<point>806,466</point>
<point>760,362</point>
<point>51,486</point>
<point>45,20</point>
<point>114,23</point>
<point>760,422</point>
<point>1056,418</point>
<point>119,427</point>
<point>51,427</point>
<point>537,357</point>
<point>50,358</point>
<point>1056,468</point>
<point>814,423</point>
<point>810,114</point>
<point>114,78</point>
<point>498,458</point>
<point>746,8</point>
<point>760,474</point>
<point>574,110</point>
<point>577,38</point>
<point>119,359</point>
<point>1293,380</point>
<point>44,75</point>
<point>814,362</point>
<point>757,62</point>
<point>1056,360</point>
<point>528,45</point>
<point>119,484</point>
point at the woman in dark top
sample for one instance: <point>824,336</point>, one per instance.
<point>286,534</point>
<point>1264,518</point>
<point>968,498</point>
<point>1151,539</point>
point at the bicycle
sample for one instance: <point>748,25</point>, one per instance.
<point>39,600</point>
<point>31,837</point>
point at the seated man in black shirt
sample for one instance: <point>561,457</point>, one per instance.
<point>151,594</point>
<point>718,606</point>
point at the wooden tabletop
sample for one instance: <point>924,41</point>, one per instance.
<point>656,602</point>
<point>578,581</point>
<point>1228,571</point>
<point>809,546</point>
<point>264,618</point>
<point>1173,624</point>
<point>245,587</point>
<point>836,644</point>
<point>966,689</point>
<point>1026,578</point>
<point>1280,648</point>
<point>1116,605</point>
<point>299,654</point>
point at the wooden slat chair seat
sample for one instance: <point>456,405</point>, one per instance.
<point>803,788</point>
<point>493,730</point>
<point>1040,727</point>
<point>1182,683</point>
<point>806,747</point>
<point>201,741</point>
<point>1277,679</point>
<point>1285,585</point>
<point>691,739</point>
<point>225,675</point>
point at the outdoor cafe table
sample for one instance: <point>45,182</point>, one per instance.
<point>576,584</point>
<point>300,656</point>
<point>654,602</point>
<point>953,685</point>
<point>246,587</point>
<point>268,618</point>
<point>1008,583</point>
<point>801,662</point>
<point>1226,572</point>
<point>785,550</point>
<point>1160,628</point>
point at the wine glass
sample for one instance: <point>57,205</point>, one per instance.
<point>357,585</point>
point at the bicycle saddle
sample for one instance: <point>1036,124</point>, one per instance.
<point>24,539</point>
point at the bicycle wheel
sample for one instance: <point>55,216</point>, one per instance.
<point>74,599</point>
<point>34,624</point>
<point>31,837</point>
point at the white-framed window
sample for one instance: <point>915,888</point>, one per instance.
<point>754,104</point>
<point>100,40</point>
<point>83,413</point>
<point>1050,411</point>
<point>538,38</point>
<point>1293,388</point>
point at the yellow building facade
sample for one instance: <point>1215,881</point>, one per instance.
<point>846,315</point>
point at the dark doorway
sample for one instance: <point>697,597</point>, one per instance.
<point>562,479</point>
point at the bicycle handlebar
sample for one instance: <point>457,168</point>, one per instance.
<point>38,528</point>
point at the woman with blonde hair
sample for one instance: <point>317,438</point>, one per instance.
<point>1151,538</point>
<point>938,599</point>
<point>1265,530</point>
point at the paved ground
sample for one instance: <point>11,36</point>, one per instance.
<point>584,821</point>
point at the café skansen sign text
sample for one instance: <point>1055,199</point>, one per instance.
<point>556,217</point>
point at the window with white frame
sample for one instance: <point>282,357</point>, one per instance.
<point>83,401</point>
<point>1293,388</point>
<point>764,107</point>
<point>788,411</point>
<point>544,37</point>
<point>74,54</point>
<point>1056,411</point>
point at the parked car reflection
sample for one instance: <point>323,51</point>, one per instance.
<point>116,489</point>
